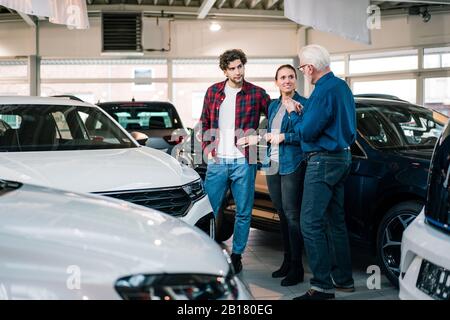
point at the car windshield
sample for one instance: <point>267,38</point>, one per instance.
<point>58,127</point>
<point>394,126</point>
<point>141,116</point>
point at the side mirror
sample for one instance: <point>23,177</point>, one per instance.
<point>140,137</point>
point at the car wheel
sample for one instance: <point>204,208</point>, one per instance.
<point>389,237</point>
<point>224,227</point>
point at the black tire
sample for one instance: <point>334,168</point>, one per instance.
<point>389,237</point>
<point>224,227</point>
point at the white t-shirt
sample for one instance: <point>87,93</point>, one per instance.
<point>227,116</point>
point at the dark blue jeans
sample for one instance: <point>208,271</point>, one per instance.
<point>323,221</point>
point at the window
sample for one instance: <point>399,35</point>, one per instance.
<point>437,94</point>
<point>337,65</point>
<point>257,68</point>
<point>188,98</point>
<point>55,127</point>
<point>102,92</point>
<point>11,121</point>
<point>436,58</point>
<point>100,68</point>
<point>398,126</point>
<point>196,68</point>
<point>384,62</point>
<point>404,89</point>
<point>61,125</point>
<point>14,77</point>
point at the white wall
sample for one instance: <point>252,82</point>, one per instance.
<point>189,39</point>
<point>194,39</point>
<point>394,33</point>
<point>16,39</point>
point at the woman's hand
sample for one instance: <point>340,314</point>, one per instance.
<point>274,138</point>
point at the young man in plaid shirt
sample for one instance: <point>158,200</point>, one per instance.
<point>230,118</point>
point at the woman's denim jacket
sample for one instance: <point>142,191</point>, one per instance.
<point>290,150</point>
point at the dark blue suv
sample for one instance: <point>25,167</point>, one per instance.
<point>387,185</point>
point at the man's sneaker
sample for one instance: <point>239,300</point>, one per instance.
<point>236,261</point>
<point>315,295</point>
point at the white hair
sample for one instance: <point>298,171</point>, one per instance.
<point>315,55</point>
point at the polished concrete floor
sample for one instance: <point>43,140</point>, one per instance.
<point>264,255</point>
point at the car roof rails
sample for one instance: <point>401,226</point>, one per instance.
<point>378,96</point>
<point>71,97</point>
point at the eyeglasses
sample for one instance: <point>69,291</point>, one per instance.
<point>303,66</point>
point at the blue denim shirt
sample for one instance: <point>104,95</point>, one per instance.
<point>290,151</point>
<point>328,120</point>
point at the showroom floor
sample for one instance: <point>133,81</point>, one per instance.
<point>264,254</point>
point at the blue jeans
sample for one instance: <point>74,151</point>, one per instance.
<point>240,175</point>
<point>322,221</point>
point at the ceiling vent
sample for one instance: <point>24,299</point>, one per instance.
<point>121,32</point>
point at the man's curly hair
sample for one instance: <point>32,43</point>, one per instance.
<point>230,56</point>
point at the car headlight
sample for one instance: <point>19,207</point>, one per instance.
<point>195,189</point>
<point>177,287</point>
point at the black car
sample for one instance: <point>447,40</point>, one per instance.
<point>158,120</point>
<point>387,185</point>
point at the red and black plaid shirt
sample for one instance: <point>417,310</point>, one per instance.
<point>251,101</point>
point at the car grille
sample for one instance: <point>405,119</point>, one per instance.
<point>173,201</point>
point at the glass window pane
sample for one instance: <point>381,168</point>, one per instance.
<point>17,89</point>
<point>104,92</point>
<point>109,69</point>
<point>209,68</point>
<point>437,94</point>
<point>265,67</point>
<point>270,87</point>
<point>404,89</point>
<point>13,69</point>
<point>436,57</point>
<point>196,68</point>
<point>382,62</point>
<point>337,65</point>
<point>188,100</point>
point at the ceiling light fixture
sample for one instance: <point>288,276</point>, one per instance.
<point>215,26</point>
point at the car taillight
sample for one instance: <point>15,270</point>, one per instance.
<point>173,140</point>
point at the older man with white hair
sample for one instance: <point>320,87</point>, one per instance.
<point>327,127</point>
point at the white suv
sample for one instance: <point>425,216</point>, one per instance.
<point>65,245</point>
<point>425,262</point>
<point>73,145</point>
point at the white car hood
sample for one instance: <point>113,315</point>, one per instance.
<point>46,234</point>
<point>96,170</point>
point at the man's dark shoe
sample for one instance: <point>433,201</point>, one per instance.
<point>315,295</point>
<point>236,261</point>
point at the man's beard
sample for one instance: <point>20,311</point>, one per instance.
<point>237,83</point>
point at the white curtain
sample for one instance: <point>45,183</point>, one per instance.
<point>346,18</point>
<point>72,13</point>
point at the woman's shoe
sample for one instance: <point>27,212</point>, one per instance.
<point>295,275</point>
<point>284,269</point>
